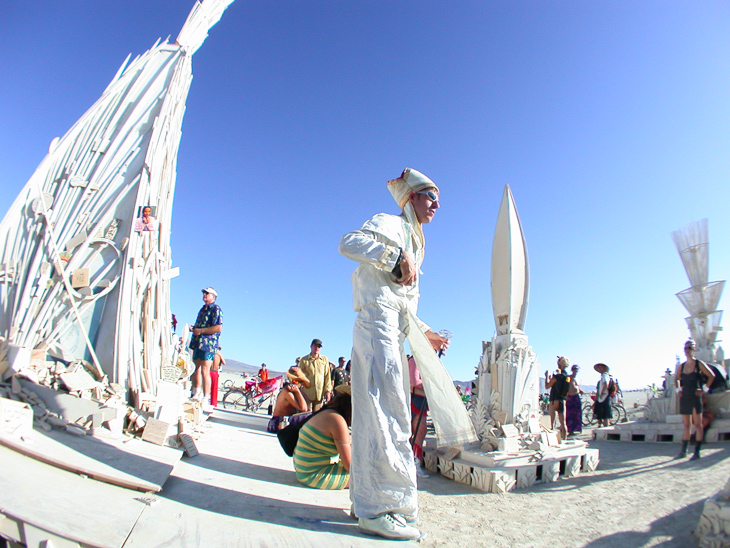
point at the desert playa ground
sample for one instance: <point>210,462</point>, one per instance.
<point>240,490</point>
<point>639,496</point>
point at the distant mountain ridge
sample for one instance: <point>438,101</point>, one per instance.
<point>234,366</point>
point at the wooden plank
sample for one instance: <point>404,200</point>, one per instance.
<point>77,469</point>
<point>130,463</point>
<point>26,497</point>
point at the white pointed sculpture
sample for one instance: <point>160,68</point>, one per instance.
<point>76,279</point>
<point>702,298</point>
<point>508,379</point>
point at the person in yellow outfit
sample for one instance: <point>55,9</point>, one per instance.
<point>316,367</point>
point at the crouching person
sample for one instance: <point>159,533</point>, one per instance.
<point>288,402</point>
<point>324,436</point>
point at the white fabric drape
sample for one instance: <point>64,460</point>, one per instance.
<point>450,418</point>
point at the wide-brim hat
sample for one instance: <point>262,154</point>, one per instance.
<point>601,364</point>
<point>298,377</point>
<point>344,389</point>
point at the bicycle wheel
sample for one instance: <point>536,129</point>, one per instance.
<point>618,414</point>
<point>236,400</point>
<point>589,417</point>
<point>254,402</point>
<point>228,384</point>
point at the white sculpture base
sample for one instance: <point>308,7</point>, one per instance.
<point>660,425</point>
<point>507,383</point>
<point>500,472</point>
<point>713,529</point>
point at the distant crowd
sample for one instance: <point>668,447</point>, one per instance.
<point>690,384</point>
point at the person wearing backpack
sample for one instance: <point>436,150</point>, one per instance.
<point>559,383</point>
<point>602,407</point>
<point>690,377</point>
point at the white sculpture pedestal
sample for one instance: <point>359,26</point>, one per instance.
<point>500,471</point>
<point>508,385</point>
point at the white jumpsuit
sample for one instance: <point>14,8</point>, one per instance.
<point>383,476</point>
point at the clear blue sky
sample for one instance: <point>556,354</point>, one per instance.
<point>610,121</point>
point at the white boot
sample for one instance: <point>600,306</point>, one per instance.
<point>391,526</point>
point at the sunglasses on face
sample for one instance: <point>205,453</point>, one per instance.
<point>430,194</point>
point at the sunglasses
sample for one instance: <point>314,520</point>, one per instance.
<point>430,194</point>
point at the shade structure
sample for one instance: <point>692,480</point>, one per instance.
<point>705,327</point>
<point>692,242</point>
<point>703,298</point>
<point>77,278</point>
<point>700,300</point>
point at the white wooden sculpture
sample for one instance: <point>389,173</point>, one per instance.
<point>702,298</point>
<point>76,279</point>
<point>513,450</point>
<point>508,378</point>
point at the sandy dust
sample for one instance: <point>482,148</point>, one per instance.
<point>639,496</point>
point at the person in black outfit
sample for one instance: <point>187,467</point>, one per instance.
<point>689,378</point>
<point>558,385</point>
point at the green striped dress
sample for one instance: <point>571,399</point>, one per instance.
<point>313,461</point>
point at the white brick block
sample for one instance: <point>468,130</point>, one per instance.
<point>462,472</point>
<point>550,471</point>
<point>502,481</point>
<point>446,467</point>
<point>526,476</point>
<point>431,461</point>
<point>572,467</point>
<point>481,479</point>
<point>590,460</point>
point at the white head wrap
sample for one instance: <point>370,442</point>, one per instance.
<point>401,188</point>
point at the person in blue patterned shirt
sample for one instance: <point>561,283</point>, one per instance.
<point>204,343</point>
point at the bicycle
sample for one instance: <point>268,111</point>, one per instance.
<point>618,413</point>
<point>230,384</point>
<point>237,400</point>
<point>252,397</point>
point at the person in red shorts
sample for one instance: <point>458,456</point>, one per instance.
<point>215,369</point>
